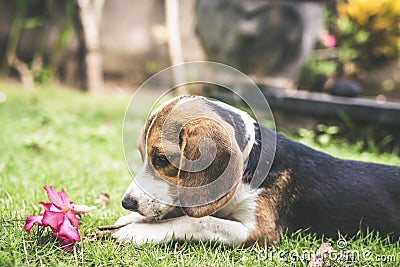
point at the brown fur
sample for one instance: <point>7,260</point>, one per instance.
<point>268,226</point>
<point>192,133</point>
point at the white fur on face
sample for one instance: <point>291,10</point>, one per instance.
<point>151,193</point>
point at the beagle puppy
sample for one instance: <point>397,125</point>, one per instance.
<point>303,189</point>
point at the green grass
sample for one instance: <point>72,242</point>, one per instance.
<point>72,140</point>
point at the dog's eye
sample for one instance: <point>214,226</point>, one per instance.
<point>160,161</point>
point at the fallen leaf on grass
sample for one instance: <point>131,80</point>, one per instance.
<point>82,209</point>
<point>321,256</point>
<point>102,198</point>
<point>177,247</point>
<point>107,230</point>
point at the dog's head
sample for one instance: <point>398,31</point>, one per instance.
<point>193,151</point>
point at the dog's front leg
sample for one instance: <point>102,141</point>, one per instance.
<point>182,228</point>
<point>132,217</point>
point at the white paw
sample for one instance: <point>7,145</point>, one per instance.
<point>133,217</point>
<point>141,233</point>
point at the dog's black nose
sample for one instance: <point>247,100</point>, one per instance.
<point>130,204</point>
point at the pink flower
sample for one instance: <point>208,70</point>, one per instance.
<point>59,215</point>
<point>327,39</point>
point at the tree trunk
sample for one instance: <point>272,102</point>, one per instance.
<point>90,14</point>
<point>24,73</point>
<point>11,58</point>
<point>175,43</point>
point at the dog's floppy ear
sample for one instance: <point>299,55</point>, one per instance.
<point>204,190</point>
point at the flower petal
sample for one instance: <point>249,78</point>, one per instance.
<point>82,209</point>
<point>68,232</point>
<point>53,219</point>
<point>59,199</point>
<point>46,206</point>
<point>31,220</point>
<point>65,199</point>
<point>71,216</point>
<point>54,208</point>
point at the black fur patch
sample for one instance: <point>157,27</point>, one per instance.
<point>235,120</point>
<point>327,195</point>
<point>254,156</point>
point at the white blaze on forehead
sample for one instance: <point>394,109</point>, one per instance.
<point>178,100</point>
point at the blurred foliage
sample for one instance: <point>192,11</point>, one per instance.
<point>325,136</point>
<point>322,135</point>
<point>368,31</point>
<point>315,73</point>
<point>42,76</point>
<point>38,15</point>
<point>367,34</point>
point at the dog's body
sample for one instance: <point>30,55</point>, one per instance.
<point>304,189</point>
